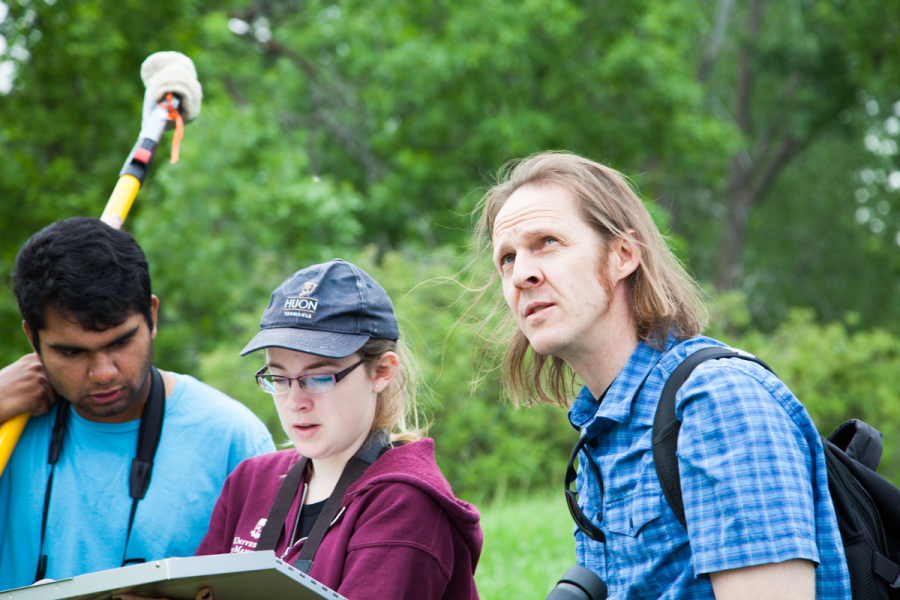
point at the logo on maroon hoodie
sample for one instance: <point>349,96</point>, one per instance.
<point>239,544</point>
<point>257,531</point>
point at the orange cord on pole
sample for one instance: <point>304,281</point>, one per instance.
<point>174,115</point>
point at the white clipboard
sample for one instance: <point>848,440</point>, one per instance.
<point>243,576</point>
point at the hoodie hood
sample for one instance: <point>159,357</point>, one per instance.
<point>414,464</point>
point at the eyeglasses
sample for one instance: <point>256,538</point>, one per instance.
<point>581,519</point>
<point>314,384</point>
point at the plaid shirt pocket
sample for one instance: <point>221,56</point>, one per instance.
<point>632,525</point>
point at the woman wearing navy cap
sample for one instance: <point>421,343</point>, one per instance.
<point>358,502</point>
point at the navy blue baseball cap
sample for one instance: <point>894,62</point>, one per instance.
<point>329,310</point>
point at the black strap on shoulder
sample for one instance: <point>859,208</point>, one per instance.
<point>377,445</point>
<point>59,431</point>
<point>56,441</point>
<point>352,472</point>
<point>356,466</point>
<point>148,441</point>
<point>141,466</point>
<point>274,527</point>
<point>148,437</point>
<point>666,426</point>
<point>886,569</point>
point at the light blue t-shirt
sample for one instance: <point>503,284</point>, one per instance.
<point>205,435</point>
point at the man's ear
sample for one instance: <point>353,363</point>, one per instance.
<point>154,309</point>
<point>625,257</point>
<point>30,336</point>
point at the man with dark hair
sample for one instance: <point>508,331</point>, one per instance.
<point>76,496</point>
<point>594,292</point>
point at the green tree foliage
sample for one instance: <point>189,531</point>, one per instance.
<point>416,103</point>
<point>222,228</point>
<point>805,82</point>
<point>811,248</point>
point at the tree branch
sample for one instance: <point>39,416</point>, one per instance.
<point>711,53</point>
<point>351,136</point>
<point>744,94</point>
<point>786,151</point>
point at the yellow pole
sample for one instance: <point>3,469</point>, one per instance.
<point>9,436</point>
<point>121,200</point>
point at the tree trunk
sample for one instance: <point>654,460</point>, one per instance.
<point>737,195</point>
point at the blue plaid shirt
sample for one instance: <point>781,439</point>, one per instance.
<point>752,476</point>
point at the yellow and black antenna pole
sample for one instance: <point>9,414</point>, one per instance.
<point>133,173</point>
<point>172,98</point>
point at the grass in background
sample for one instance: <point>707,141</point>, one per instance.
<point>528,545</point>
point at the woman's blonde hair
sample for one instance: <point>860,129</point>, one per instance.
<point>662,296</point>
<point>396,408</point>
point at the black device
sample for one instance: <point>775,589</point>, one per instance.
<point>579,584</point>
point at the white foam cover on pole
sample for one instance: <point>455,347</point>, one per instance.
<point>171,72</point>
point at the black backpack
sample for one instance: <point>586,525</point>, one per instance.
<point>867,505</point>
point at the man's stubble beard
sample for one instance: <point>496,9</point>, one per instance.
<point>110,411</point>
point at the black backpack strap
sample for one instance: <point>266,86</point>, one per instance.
<point>666,426</point>
<point>271,533</point>
<point>886,569</point>
<point>148,441</point>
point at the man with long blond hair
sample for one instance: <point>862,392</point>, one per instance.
<point>595,294</point>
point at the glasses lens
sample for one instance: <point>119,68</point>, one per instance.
<point>272,384</point>
<point>318,384</point>
<point>281,385</point>
<point>265,384</point>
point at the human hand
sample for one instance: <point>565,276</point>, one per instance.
<point>204,594</point>
<point>24,388</point>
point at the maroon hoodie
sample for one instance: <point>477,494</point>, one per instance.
<point>402,533</point>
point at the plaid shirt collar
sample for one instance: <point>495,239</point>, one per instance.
<point>586,411</point>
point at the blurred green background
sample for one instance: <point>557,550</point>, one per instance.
<point>762,136</point>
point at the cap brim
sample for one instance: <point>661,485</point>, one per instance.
<point>321,343</point>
